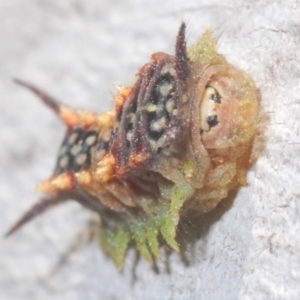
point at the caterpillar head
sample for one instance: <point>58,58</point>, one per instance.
<point>225,99</point>
<point>228,110</point>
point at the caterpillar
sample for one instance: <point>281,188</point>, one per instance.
<point>176,141</point>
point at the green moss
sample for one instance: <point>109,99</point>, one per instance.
<point>115,244</point>
<point>140,237</point>
<point>152,232</point>
<point>168,231</point>
<point>189,167</point>
<point>179,195</point>
<point>146,228</point>
<point>205,50</point>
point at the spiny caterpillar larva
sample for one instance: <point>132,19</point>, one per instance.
<point>178,140</point>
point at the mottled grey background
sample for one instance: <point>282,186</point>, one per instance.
<point>77,50</point>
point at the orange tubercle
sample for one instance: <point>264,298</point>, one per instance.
<point>62,182</point>
<point>83,178</point>
<point>105,169</point>
<point>122,95</point>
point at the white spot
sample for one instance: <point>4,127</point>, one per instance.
<point>170,106</point>
<point>184,98</point>
<point>90,140</point>
<point>75,149</point>
<point>159,125</point>
<point>105,136</point>
<point>131,117</point>
<point>81,159</point>
<point>100,154</point>
<point>62,150</point>
<point>151,107</point>
<point>165,89</point>
<point>208,107</point>
<point>72,138</point>
<point>129,135</point>
<point>63,162</point>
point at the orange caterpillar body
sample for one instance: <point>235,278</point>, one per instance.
<point>178,140</point>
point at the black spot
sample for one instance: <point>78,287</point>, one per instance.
<point>133,107</point>
<point>212,120</point>
<point>127,144</point>
<point>120,114</point>
<point>102,145</point>
<point>128,124</point>
<point>216,97</point>
<point>151,117</point>
<point>155,135</point>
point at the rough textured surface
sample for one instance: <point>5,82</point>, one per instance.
<point>76,50</point>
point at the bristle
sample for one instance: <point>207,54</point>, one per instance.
<point>37,209</point>
<point>69,116</point>
<point>181,58</point>
<point>48,100</point>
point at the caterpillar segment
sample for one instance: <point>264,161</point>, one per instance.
<point>177,140</point>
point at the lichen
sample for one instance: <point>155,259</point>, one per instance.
<point>204,50</point>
